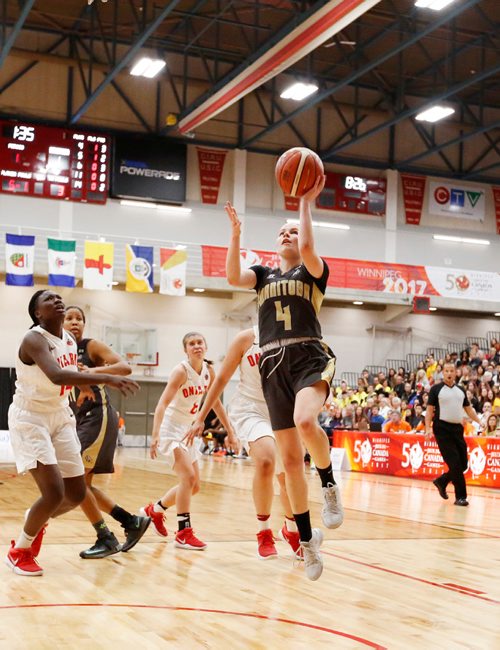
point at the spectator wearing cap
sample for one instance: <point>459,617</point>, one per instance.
<point>395,424</point>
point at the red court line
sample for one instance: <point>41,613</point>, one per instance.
<point>461,588</point>
<point>456,588</point>
<point>277,619</point>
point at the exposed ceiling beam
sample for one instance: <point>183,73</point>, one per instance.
<point>289,45</point>
<point>142,38</point>
<point>364,69</point>
<point>26,8</point>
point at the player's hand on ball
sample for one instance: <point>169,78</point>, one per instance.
<point>316,190</point>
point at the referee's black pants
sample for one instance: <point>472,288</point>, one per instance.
<point>451,443</point>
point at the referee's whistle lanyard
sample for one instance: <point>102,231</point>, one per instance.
<point>279,353</point>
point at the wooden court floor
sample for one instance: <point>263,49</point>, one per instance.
<point>406,570</point>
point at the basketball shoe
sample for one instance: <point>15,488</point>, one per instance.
<point>135,531</point>
<point>332,513</point>
<point>22,561</point>
<point>293,540</point>
<point>158,519</point>
<point>266,550</point>
<point>188,540</point>
<point>313,562</point>
<point>104,546</point>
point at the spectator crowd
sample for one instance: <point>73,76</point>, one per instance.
<point>395,401</point>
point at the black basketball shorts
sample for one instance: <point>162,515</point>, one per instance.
<point>97,431</point>
<point>284,371</point>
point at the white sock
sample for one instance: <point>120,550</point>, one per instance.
<point>158,507</point>
<point>24,541</point>
<point>291,526</point>
<point>263,524</point>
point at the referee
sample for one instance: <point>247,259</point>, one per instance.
<point>443,417</point>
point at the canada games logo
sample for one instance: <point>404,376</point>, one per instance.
<point>477,461</point>
<point>366,451</point>
<point>416,456</point>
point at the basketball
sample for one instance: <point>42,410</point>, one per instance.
<point>297,170</point>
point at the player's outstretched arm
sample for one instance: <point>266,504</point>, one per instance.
<point>34,349</point>
<point>312,261</point>
<point>236,276</point>
<point>235,352</point>
<point>107,360</point>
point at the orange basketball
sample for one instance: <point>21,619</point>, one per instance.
<point>297,170</point>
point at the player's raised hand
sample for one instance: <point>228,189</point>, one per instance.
<point>316,190</point>
<point>233,217</point>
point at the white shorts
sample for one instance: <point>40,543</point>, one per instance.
<point>251,422</point>
<point>171,435</point>
<point>48,438</point>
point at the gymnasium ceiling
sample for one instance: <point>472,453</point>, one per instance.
<point>373,76</point>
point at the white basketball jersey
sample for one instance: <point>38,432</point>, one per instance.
<point>186,403</point>
<point>250,385</point>
<point>34,390</point>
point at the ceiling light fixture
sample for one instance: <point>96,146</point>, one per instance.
<point>462,240</point>
<point>432,308</point>
<point>174,209</point>
<point>436,5</point>
<point>199,290</point>
<point>299,91</point>
<point>497,313</point>
<point>147,67</point>
<point>434,113</point>
<point>358,302</point>
<point>324,224</point>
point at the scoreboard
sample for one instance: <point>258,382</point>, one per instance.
<point>52,162</point>
<point>353,194</point>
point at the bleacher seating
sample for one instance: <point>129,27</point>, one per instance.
<point>374,370</point>
<point>397,363</point>
<point>492,335</point>
<point>412,360</point>
<point>456,347</point>
<point>437,353</point>
<point>480,340</point>
<point>351,378</point>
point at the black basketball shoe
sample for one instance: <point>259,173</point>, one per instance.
<point>104,546</point>
<point>135,531</point>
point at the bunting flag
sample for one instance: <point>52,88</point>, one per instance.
<point>19,258</point>
<point>139,264</point>
<point>173,272</point>
<point>62,261</point>
<point>98,265</point>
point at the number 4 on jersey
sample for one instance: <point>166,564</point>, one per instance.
<point>283,315</point>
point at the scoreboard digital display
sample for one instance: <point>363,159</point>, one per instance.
<point>353,194</point>
<point>55,163</point>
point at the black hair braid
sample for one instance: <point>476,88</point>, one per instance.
<point>32,306</point>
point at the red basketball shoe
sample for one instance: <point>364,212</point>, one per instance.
<point>37,542</point>
<point>266,549</point>
<point>158,519</point>
<point>187,539</point>
<point>293,540</point>
<point>22,562</point>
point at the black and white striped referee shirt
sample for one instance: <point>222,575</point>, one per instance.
<point>448,402</point>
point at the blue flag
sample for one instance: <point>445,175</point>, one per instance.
<point>19,259</point>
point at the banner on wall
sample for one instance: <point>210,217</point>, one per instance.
<point>139,267</point>
<point>413,197</point>
<point>98,265</point>
<point>62,262</point>
<point>377,276</point>
<point>416,456</point>
<point>496,202</point>
<point>211,164</point>
<point>456,200</point>
<point>173,265</point>
<point>19,259</point>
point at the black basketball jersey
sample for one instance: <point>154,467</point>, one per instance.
<point>100,391</point>
<point>289,303</point>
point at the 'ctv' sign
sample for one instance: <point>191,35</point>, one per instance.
<point>464,202</point>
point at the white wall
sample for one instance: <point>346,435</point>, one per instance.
<point>344,329</point>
